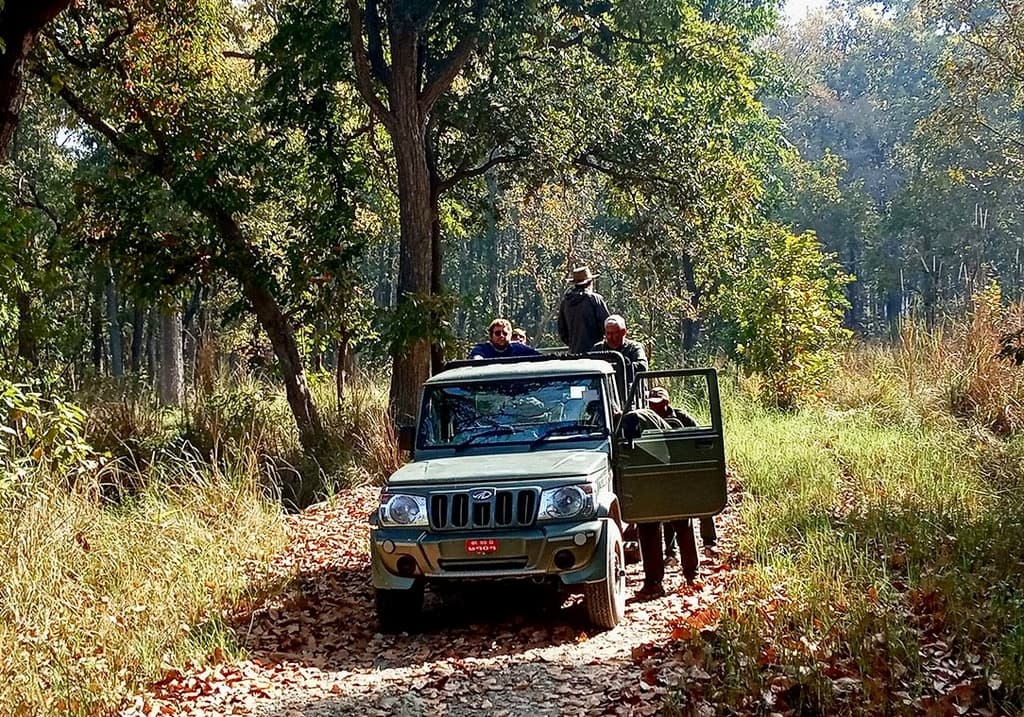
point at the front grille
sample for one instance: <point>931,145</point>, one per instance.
<point>482,508</point>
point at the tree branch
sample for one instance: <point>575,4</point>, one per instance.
<point>493,161</point>
<point>590,161</point>
<point>91,57</point>
<point>363,80</point>
<point>1001,135</point>
<point>151,162</point>
<point>374,43</point>
<point>452,65</point>
<point>36,202</point>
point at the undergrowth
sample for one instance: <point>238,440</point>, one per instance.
<point>99,596</point>
<point>880,534</point>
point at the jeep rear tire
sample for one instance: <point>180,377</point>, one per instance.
<point>399,610</point>
<point>606,599</point>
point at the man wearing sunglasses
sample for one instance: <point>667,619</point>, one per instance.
<point>498,344</point>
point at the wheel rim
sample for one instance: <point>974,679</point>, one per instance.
<point>619,576</point>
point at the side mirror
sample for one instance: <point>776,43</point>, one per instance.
<point>406,437</point>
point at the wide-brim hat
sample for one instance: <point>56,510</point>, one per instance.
<point>581,275</point>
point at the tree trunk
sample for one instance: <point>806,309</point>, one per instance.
<point>20,23</point>
<point>114,326</point>
<point>172,370</point>
<point>138,337</point>
<point>411,364</point>
<point>436,351</point>
<point>854,315</point>
<point>282,339</point>
<point>893,305</point>
<point>96,325</point>
<point>341,368</point>
<point>190,332</point>
<point>691,325</point>
<point>242,263</point>
<point>152,344</point>
<point>28,349</point>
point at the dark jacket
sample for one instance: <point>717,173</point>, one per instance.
<point>487,350</point>
<point>632,351</point>
<point>581,319</point>
<point>682,416</point>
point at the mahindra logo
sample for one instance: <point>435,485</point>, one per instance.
<point>485,494</point>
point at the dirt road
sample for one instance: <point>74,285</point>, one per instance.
<point>315,651</point>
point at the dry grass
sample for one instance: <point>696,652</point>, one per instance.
<point>985,387</point>
<point>953,373</point>
<point>881,520</point>
<point>360,442</point>
<point>95,599</point>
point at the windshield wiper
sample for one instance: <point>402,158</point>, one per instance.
<point>573,431</point>
<point>495,431</point>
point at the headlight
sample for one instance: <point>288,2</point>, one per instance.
<point>568,501</point>
<point>403,510</point>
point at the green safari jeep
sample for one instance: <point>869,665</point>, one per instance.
<point>523,469</point>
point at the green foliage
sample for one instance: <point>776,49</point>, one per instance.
<point>868,536</point>
<point>420,318</point>
<point>784,312</point>
<point>40,434</point>
<point>982,69</point>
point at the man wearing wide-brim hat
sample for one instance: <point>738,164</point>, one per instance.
<point>582,312</point>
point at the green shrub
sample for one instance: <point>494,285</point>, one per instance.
<point>40,434</point>
<point>784,311</point>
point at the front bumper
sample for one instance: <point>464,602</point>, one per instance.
<point>521,553</point>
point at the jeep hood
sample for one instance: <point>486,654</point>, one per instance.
<point>501,467</point>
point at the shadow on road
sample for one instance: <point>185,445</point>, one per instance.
<point>327,619</point>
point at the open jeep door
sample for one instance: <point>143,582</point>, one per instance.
<point>665,474</point>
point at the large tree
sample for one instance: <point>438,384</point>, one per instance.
<point>171,87</point>
<point>464,86</point>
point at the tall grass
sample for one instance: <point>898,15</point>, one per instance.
<point>241,414</point>
<point>886,518</point>
<point>117,566</point>
<point>96,598</point>
<point>360,432</point>
<point>959,371</point>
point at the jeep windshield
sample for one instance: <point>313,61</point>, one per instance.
<point>530,411</point>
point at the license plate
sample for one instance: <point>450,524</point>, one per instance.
<point>481,546</point>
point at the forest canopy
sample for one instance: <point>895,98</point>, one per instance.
<point>306,184</point>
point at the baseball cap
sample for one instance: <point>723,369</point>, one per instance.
<point>657,394</point>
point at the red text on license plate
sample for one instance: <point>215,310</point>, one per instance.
<point>481,545</point>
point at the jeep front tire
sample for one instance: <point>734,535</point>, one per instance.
<point>606,599</point>
<point>399,610</point>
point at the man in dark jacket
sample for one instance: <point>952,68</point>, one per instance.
<point>582,313</point>
<point>658,400</point>
<point>498,344</point>
<point>615,340</point>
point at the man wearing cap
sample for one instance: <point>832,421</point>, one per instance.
<point>615,340</point>
<point>659,402</point>
<point>649,535</point>
<point>582,313</point>
<point>498,344</point>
